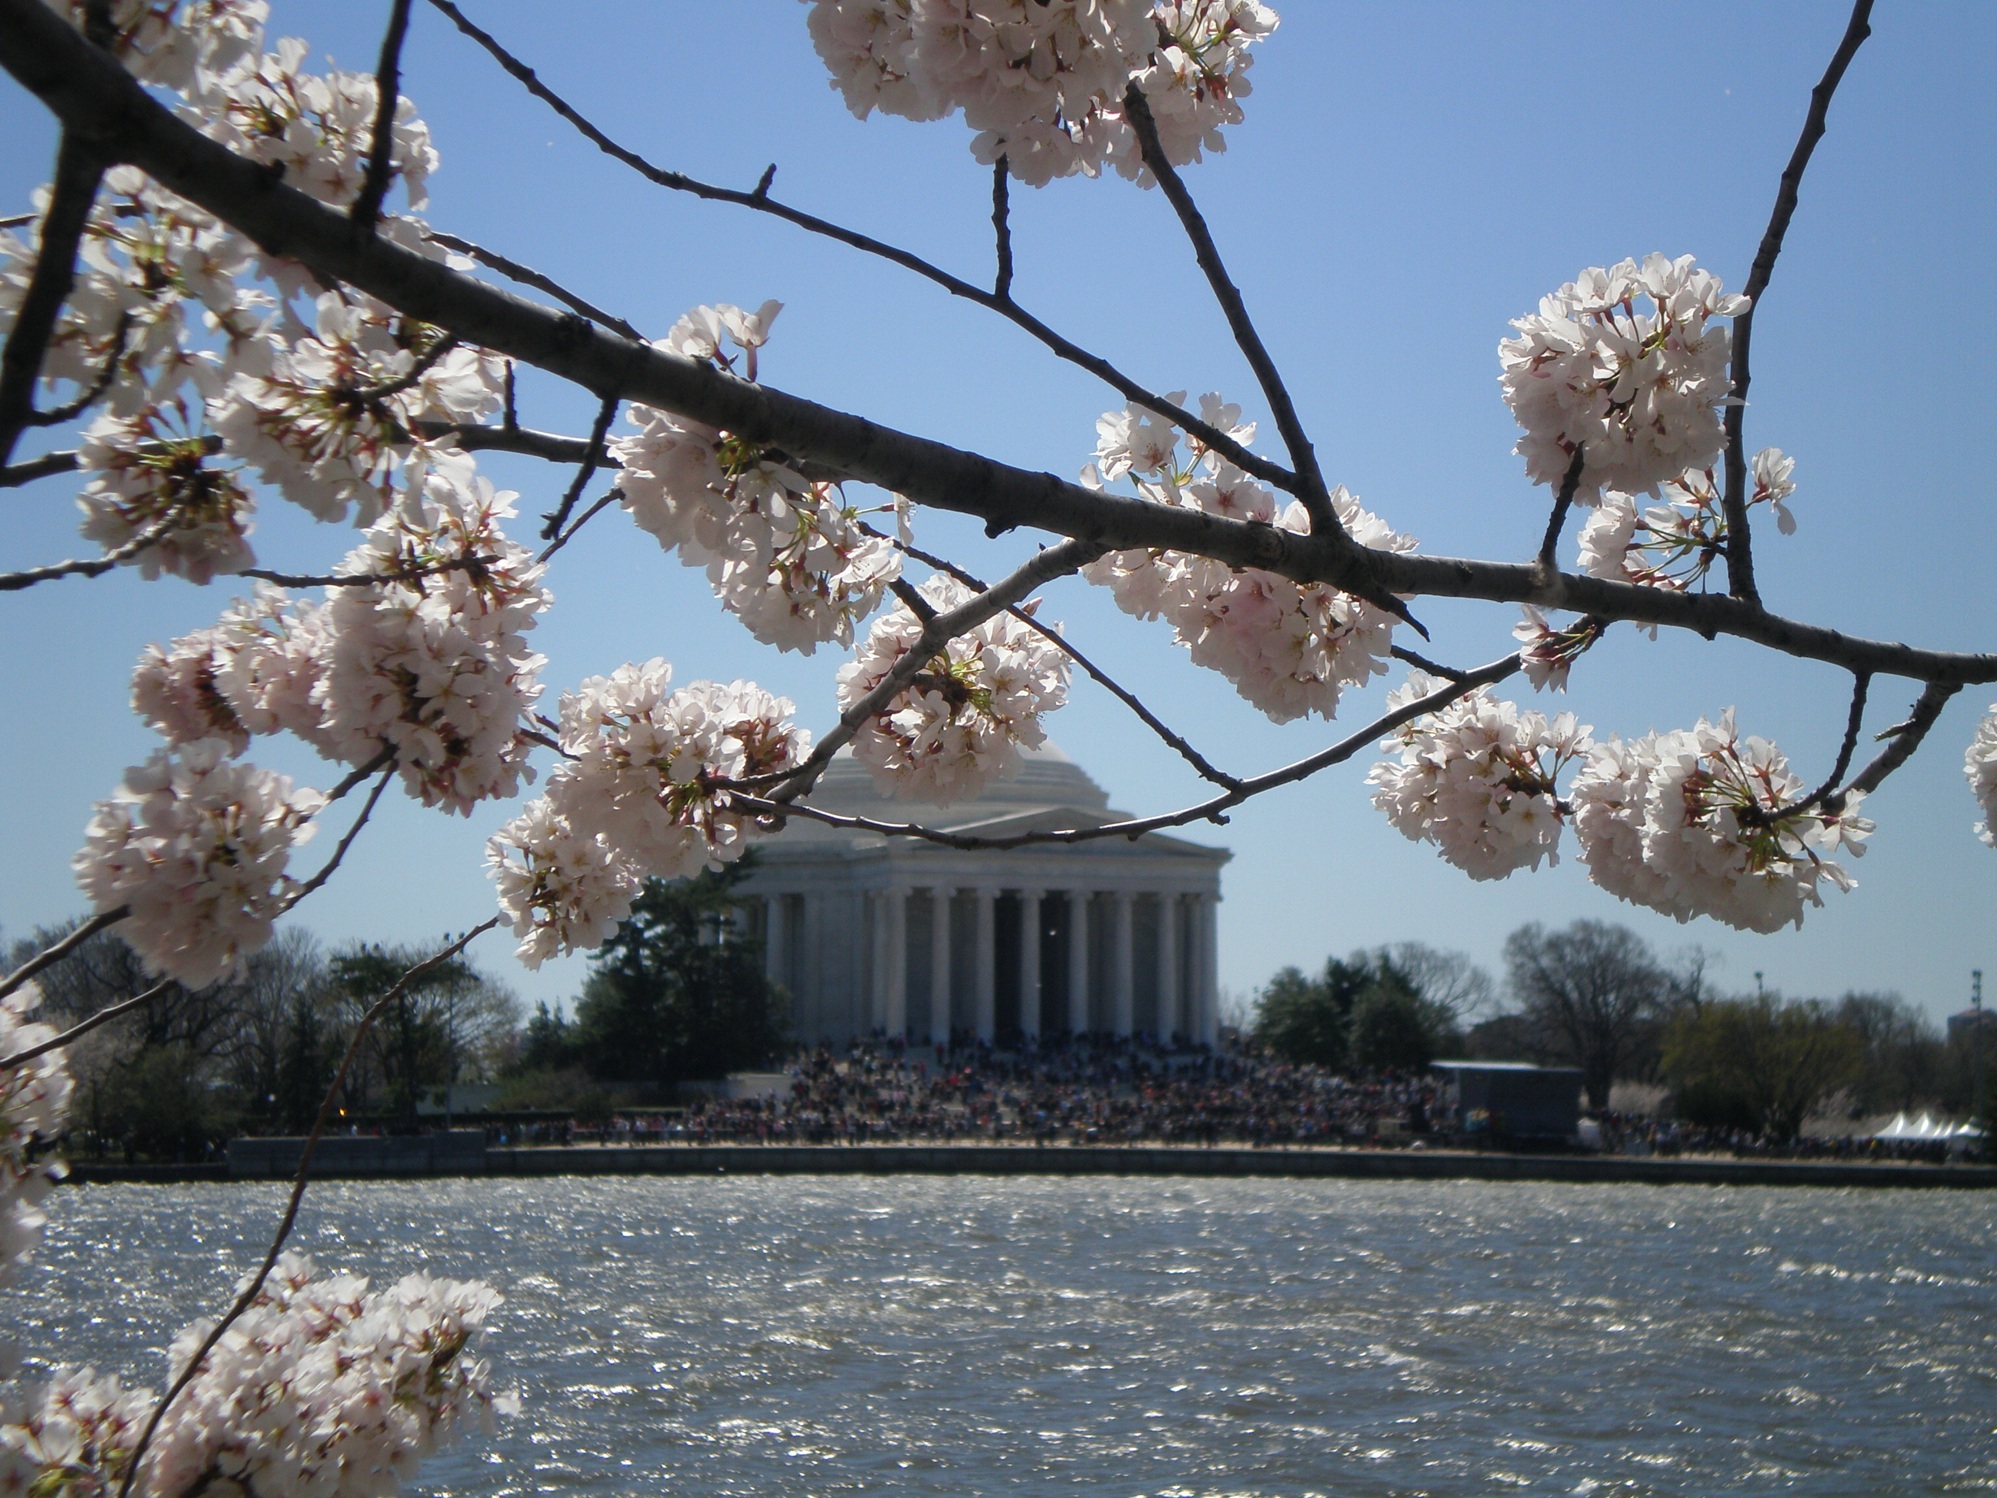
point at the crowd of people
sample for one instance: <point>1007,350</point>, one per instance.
<point>1089,1090</point>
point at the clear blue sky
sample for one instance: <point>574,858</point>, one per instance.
<point>1409,178</point>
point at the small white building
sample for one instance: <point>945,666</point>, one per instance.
<point>874,934</point>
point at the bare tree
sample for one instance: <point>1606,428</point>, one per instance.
<point>1593,994</point>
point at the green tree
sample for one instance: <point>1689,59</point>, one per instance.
<point>1307,1021</point>
<point>675,994</point>
<point>1759,1063</point>
<point>158,1103</point>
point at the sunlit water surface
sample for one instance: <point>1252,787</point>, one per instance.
<point>1125,1337</point>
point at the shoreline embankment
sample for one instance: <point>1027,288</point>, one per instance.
<point>1295,1162</point>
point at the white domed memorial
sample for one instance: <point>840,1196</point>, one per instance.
<point>896,936</point>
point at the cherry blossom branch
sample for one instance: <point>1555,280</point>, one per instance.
<point>14,582</point>
<point>91,94</point>
<point>1002,229</point>
<point>361,772</point>
<point>367,579</point>
<point>582,520</point>
<point>1315,495</point>
<point>255,1286</point>
<point>1557,521</point>
<point>527,276</point>
<point>77,1031</point>
<point>366,209</point>
<point>937,631</point>
<point>318,880</point>
<point>1211,810</point>
<point>994,301</point>
<point>592,458</point>
<point>1740,548</point>
<point>1861,684</point>
<point>94,391</point>
<point>56,951</point>
<point>407,380</point>
<point>1905,737</point>
<point>17,474</point>
<point>79,169</point>
<point>1205,768</point>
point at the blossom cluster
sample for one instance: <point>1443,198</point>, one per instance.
<point>321,1386</point>
<point>1703,822</point>
<point>33,1097</point>
<point>644,792</point>
<point>1043,81</point>
<point>785,554</point>
<point>1642,388</point>
<point>1979,763</point>
<point>1289,648</point>
<point>1477,778</point>
<point>1674,544</point>
<point>959,722</point>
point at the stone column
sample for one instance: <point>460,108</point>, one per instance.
<point>939,965</point>
<point>1207,975</point>
<point>773,938</point>
<point>1168,968</point>
<point>1122,968</point>
<point>877,959</point>
<point>1078,961</point>
<point>897,997</point>
<point>1029,962</point>
<point>986,953</point>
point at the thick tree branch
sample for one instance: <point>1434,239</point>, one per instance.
<point>89,93</point>
<point>50,955</point>
<point>381,143</point>
<point>1211,810</point>
<point>1740,546</point>
<point>999,301</point>
<point>1303,457</point>
<point>254,1288</point>
<point>79,168</point>
<point>77,1031</point>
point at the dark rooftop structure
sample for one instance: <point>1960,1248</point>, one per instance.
<point>1513,1101</point>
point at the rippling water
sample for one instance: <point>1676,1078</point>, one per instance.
<point>973,1336</point>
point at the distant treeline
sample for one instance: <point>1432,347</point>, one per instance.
<point>1644,1032</point>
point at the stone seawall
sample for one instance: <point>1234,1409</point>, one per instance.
<point>271,1160</point>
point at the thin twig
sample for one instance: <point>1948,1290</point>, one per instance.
<point>367,579</point>
<point>361,772</point>
<point>1211,810</point>
<point>592,458</point>
<point>50,955</point>
<point>1002,229</point>
<point>527,276</point>
<point>609,498</point>
<point>1557,521</point>
<point>1904,738</point>
<point>319,879</point>
<point>152,535</point>
<point>1854,720</point>
<point>47,464</point>
<point>77,1031</point>
<point>762,202</point>
<point>255,1287</point>
<point>1176,741</point>
<point>79,169</point>
<point>1740,547</point>
<point>1315,495</point>
<point>368,394</point>
<point>94,391</point>
<point>1422,663</point>
<point>387,94</point>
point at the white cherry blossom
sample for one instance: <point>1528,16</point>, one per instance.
<point>197,845</point>
<point>960,722</point>
<point>153,479</point>
<point>1477,778</point>
<point>1979,763</point>
<point>1703,822</point>
<point>1631,362</point>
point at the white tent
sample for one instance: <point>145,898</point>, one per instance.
<point>1925,1130</point>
